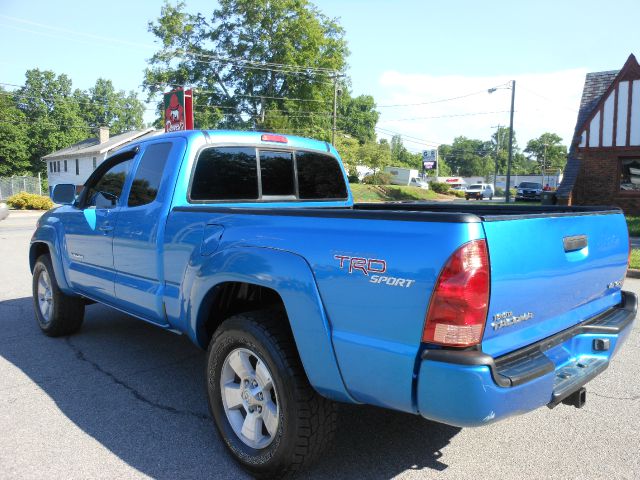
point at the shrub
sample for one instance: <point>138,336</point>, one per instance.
<point>29,201</point>
<point>458,193</point>
<point>440,187</point>
<point>353,175</point>
<point>380,178</point>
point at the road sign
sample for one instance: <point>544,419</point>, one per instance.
<point>430,159</point>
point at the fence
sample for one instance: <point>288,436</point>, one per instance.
<point>12,185</point>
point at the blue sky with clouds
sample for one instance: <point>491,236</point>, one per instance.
<point>401,52</point>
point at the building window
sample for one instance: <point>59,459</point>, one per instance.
<point>77,167</point>
<point>58,165</point>
<point>630,175</point>
<point>51,167</point>
<point>65,165</point>
<point>94,163</point>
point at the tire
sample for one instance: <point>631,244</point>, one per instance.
<point>302,423</point>
<point>57,314</point>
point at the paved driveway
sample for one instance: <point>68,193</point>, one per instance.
<point>123,399</point>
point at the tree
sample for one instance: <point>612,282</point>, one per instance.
<point>468,157</point>
<point>103,105</point>
<point>375,155</point>
<point>249,61</point>
<point>52,113</point>
<point>547,151</point>
<point>358,116</point>
<point>14,138</point>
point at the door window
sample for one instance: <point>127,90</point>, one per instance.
<point>146,183</point>
<point>106,191</point>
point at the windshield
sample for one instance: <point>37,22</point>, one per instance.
<point>475,187</point>
<point>530,185</point>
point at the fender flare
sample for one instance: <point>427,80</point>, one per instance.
<point>291,277</point>
<point>46,235</point>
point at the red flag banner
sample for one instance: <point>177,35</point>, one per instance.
<point>178,110</point>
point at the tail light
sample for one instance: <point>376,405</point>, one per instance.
<point>458,309</point>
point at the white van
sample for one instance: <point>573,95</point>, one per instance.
<point>479,191</point>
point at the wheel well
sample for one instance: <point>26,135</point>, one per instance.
<point>37,249</point>
<point>232,298</point>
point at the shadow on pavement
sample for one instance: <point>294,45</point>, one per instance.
<point>139,391</point>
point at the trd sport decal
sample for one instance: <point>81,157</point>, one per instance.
<point>371,267</point>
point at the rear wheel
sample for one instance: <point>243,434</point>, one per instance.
<point>269,416</point>
<point>57,314</point>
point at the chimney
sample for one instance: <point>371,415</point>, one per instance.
<point>103,134</point>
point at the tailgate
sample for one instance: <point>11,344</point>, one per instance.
<point>549,272</point>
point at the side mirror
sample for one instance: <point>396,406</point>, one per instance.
<point>64,193</point>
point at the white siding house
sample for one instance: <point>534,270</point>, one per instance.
<point>74,164</point>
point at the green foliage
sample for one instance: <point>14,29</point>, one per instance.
<point>456,193</point>
<point>633,224</point>
<point>264,31</point>
<point>468,157</point>
<point>387,193</point>
<point>547,151</point>
<point>358,117</point>
<point>53,117</point>
<point>634,260</point>
<point>103,105</point>
<point>29,201</point>
<point>52,114</point>
<point>14,138</point>
<point>440,187</point>
<point>375,155</point>
<point>380,178</point>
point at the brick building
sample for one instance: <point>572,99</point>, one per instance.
<point>603,167</point>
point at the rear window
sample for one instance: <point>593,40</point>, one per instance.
<point>530,185</point>
<point>226,173</point>
<point>319,177</point>
<point>237,173</point>
<point>276,173</point>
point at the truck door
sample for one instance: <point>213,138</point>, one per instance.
<point>88,229</point>
<point>139,234</point>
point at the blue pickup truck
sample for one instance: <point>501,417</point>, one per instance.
<point>251,245</point>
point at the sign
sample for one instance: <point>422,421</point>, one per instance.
<point>429,159</point>
<point>178,110</point>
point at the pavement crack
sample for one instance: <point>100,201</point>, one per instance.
<point>633,398</point>
<point>138,395</point>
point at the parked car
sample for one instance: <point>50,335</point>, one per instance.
<point>479,191</point>
<point>418,182</point>
<point>251,245</point>
<point>4,211</point>
<point>529,191</point>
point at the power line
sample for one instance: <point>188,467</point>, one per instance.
<point>566,107</point>
<point>470,114</point>
<point>441,100</point>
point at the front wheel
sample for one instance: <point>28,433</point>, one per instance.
<point>57,314</point>
<point>267,413</point>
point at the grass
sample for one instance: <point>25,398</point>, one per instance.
<point>634,261</point>
<point>390,193</point>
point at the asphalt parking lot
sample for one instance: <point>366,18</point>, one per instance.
<point>123,399</point>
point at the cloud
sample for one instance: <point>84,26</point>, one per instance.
<point>544,102</point>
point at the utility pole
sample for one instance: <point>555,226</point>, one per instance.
<point>495,175</point>
<point>544,162</point>
<point>513,97</point>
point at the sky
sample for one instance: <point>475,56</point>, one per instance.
<point>402,52</point>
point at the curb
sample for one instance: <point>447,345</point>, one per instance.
<point>633,273</point>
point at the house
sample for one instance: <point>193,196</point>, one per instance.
<point>603,166</point>
<point>74,164</point>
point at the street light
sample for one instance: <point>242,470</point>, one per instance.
<point>513,97</point>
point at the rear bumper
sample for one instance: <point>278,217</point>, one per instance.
<point>470,388</point>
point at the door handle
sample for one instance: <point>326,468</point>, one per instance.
<point>105,228</point>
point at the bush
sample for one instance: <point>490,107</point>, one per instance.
<point>458,193</point>
<point>352,174</point>
<point>29,201</point>
<point>440,187</point>
<point>380,178</point>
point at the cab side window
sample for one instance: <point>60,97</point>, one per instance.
<point>146,182</point>
<point>106,191</point>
